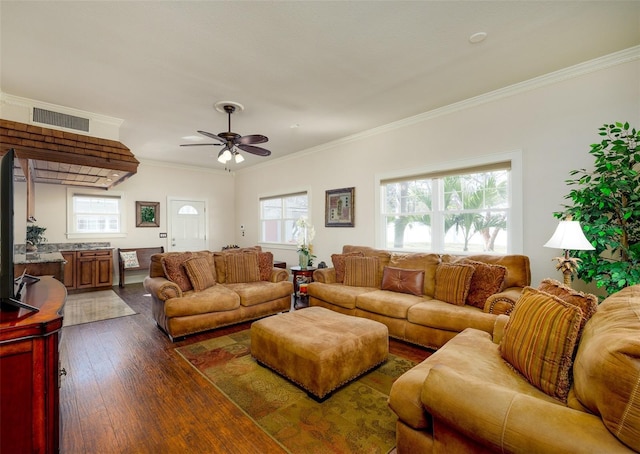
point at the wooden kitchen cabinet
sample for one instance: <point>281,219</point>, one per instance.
<point>94,269</point>
<point>68,278</point>
<point>55,269</point>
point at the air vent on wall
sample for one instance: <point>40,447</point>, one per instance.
<point>50,117</point>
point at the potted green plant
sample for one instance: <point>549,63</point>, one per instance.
<point>606,201</point>
<point>35,237</point>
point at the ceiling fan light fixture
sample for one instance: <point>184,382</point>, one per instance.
<point>224,156</point>
<point>231,140</point>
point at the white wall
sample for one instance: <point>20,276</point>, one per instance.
<point>552,124</point>
<point>154,182</point>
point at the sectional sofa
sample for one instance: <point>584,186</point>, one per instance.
<point>557,376</point>
<point>423,298</point>
<point>193,292</point>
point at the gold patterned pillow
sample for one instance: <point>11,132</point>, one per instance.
<point>539,341</point>
<point>199,271</point>
<point>487,280</point>
<point>361,271</point>
<point>221,270</point>
<point>174,271</point>
<point>241,268</point>
<point>338,263</point>
<point>453,282</point>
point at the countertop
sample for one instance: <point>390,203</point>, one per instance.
<point>73,249</point>
<point>38,257</point>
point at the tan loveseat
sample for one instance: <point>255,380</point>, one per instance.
<point>198,291</point>
<point>420,317</point>
<point>467,398</point>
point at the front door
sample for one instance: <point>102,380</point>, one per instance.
<point>187,225</point>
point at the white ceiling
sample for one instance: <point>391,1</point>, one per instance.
<point>335,68</point>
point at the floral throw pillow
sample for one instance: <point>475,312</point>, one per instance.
<point>487,280</point>
<point>265,264</point>
<point>174,269</point>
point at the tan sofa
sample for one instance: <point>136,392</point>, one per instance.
<point>418,318</point>
<point>467,398</point>
<point>226,288</point>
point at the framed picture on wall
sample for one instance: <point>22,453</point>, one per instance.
<point>147,214</point>
<point>339,208</point>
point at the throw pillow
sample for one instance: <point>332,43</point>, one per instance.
<point>453,282</point>
<point>174,271</point>
<point>487,280</point>
<point>199,271</point>
<point>242,268</point>
<point>338,263</point>
<point>403,280</point>
<point>539,341</point>
<point>419,261</point>
<point>221,271</point>
<point>130,259</point>
<point>587,302</point>
<point>361,271</point>
<point>265,264</point>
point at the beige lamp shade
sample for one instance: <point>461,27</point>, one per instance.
<point>569,236</point>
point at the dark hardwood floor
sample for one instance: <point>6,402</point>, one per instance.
<point>128,391</point>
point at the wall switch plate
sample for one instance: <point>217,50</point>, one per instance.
<point>163,235</point>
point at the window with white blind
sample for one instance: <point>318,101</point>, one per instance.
<point>94,214</point>
<point>278,215</point>
<point>468,210</point>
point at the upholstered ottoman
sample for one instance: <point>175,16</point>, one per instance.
<point>319,349</point>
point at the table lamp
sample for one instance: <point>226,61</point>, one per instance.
<point>568,236</point>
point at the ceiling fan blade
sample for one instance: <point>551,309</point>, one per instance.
<point>251,139</point>
<point>212,136</point>
<point>254,150</point>
<point>200,144</point>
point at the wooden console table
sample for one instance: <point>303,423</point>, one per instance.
<point>29,371</point>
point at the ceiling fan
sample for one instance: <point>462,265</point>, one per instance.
<point>231,140</point>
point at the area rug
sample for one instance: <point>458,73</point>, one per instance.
<point>354,419</point>
<point>94,306</point>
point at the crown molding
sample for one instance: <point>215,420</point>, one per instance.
<point>191,168</point>
<point>581,69</point>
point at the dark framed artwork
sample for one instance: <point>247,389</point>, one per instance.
<point>147,214</point>
<point>340,208</point>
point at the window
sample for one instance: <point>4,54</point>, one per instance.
<point>463,211</point>
<point>278,215</point>
<point>94,214</point>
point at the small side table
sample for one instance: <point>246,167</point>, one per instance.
<point>300,276</point>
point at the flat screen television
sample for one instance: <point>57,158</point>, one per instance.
<point>10,288</point>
